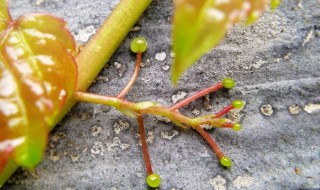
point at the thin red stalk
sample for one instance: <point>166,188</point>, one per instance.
<point>210,140</point>
<point>144,145</point>
<point>223,111</point>
<point>196,96</point>
<point>133,78</point>
<point>228,125</point>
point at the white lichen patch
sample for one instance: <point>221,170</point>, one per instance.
<point>277,60</point>
<point>54,156</point>
<point>55,137</point>
<point>120,126</point>
<point>135,29</point>
<point>113,144</point>
<point>242,182</point>
<point>207,104</point>
<point>300,4</point>
<point>125,146</point>
<point>160,56</point>
<point>312,108</point>
<point>85,116</point>
<point>145,63</point>
<point>169,134</point>
<point>65,152</point>
<point>258,64</point>
<point>74,157</point>
<point>218,183</point>
<point>308,38</point>
<point>179,96</point>
<point>195,112</point>
<point>162,119</point>
<point>117,143</point>
<point>139,174</point>
<point>287,57</point>
<point>76,146</point>
<point>97,149</point>
<point>85,149</point>
<point>84,35</point>
<point>165,67</point>
<point>150,137</point>
<point>33,173</point>
<point>266,109</point>
<point>236,115</point>
<point>206,126</point>
<point>120,68</point>
<point>95,130</point>
<point>294,109</point>
<point>102,78</point>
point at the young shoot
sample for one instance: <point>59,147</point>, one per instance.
<point>137,110</point>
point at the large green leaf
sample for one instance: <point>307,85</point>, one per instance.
<point>199,25</point>
<point>37,75</point>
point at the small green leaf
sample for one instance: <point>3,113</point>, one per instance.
<point>199,25</point>
<point>37,75</point>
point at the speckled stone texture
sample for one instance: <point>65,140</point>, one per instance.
<point>275,61</point>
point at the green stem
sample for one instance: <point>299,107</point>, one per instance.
<point>133,109</point>
<point>105,100</point>
<point>96,54</point>
<point>103,44</point>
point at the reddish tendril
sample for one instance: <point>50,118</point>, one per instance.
<point>133,79</point>
<point>196,96</point>
<point>144,144</point>
<point>226,83</point>
<point>5,157</point>
<point>139,45</point>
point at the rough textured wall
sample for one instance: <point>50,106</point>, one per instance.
<point>275,61</point>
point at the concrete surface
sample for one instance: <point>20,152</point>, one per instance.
<point>275,62</point>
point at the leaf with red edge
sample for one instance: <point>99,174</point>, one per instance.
<point>37,75</point>
<point>5,153</point>
<point>199,25</point>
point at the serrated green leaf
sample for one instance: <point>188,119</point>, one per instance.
<point>199,25</point>
<point>37,75</point>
